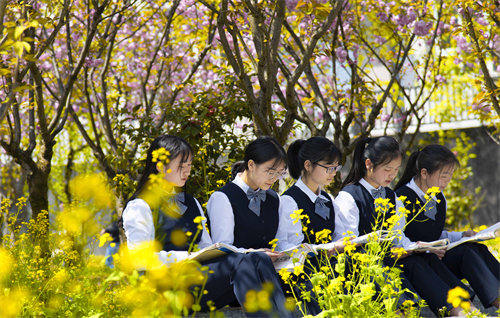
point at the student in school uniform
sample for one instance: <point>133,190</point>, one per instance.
<point>245,212</point>
<point>433,166</point>
<point>230,277</point>
<point>375,164</point>
<point>313,163</point>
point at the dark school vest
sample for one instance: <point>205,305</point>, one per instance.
<point>250,230</point>
<point>419,227</point>
<point>166,223</point>
<point>317,222</point>
<point>366,206</point>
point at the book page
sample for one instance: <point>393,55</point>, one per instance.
<point>428,246</point>
<point>486,234</point>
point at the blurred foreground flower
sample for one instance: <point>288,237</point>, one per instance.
<point>459,297</point>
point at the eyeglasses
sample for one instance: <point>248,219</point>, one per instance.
<point>272,174</point>
<point>330,169</point>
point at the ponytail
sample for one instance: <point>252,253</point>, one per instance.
<point>432,158</point>
<point>358,169</point>
<point>379,150</point>
<point>237,167</point>
<point>293,159</point>
<point>410,170</point>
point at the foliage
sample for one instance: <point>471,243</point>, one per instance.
<point>356,282</point>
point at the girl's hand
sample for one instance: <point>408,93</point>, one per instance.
<point>273,255</point>
<point>400,253</point>
<point>338,247</point>
<point>468,233</point>
<point>440,253</point>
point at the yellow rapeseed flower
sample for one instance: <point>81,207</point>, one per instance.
<point>7,262</point>
<point>458,297</point>
<point>323,236</point>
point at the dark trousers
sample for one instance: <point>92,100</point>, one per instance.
<point>431,278</point>
<point>231,277</point>
<point>475,263</point>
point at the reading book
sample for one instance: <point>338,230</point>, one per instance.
<point>486,234</point>
<point>379,235</point>
<point>295,256</point>
<point>428,246</point>
<point>216,250</point>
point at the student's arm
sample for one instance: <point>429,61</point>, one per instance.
<point>205,240</point>
<point>289,234</point>
<point>139,228</point>
<point>348,212</point>
<point>399,227</point>
<point>340,228</point>
<point>452,236</point>
<point>221,216</point>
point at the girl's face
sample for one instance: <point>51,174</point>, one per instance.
<point>264,175</point>
<point>177,172</point>
<point>321,173</point>
<point>439,178</point>
<point>383,174</point>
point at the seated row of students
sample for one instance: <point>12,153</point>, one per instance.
<point>247,213</point>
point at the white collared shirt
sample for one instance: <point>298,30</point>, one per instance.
<point>221,215</point>
<point>349,213</point>
<point>291,234</point>
<point>139,227</point>
<point>452,236</point>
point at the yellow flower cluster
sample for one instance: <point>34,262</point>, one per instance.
<point>259,300</point>
<point>160,156</point>
<point>458,297</point>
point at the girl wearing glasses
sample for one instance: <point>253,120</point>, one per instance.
<point>313,163</point>
<point>244,213</point>
<point>230,277</point>
<point>376,163</point>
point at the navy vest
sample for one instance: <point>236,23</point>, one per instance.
<point>422,228</point>
<point>366,206</point>
<point>250,230</point>
<point>317,222</point>
<point>165,223</point>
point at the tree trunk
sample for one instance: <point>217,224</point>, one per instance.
<point>38,187</point>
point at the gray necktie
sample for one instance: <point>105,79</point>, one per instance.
<point>178,199</point>
<point>430,209</point>
<point>255,198</point>
<point>321,209</point>
<point>378,193</point>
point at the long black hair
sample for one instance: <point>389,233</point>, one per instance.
<point>314,149</point>
<point>432,158</point>
<point>379,150</point>
<point>260,150</point>
<point>175,145</point>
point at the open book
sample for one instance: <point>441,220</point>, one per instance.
<point>216,250</point>
<point>379,235</point>
<point>295,256</point>
<point>486,234</point>
<point>428,246</point>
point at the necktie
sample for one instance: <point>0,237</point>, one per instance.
<point>378,193</point>
<point>430,209</point>
<point>255,198</point>
<point>178,199</point>
<point>321,209</point>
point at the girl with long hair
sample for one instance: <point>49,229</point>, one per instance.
<point>230,277</point>
<point>433,166</point>
<point>375,164</point>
